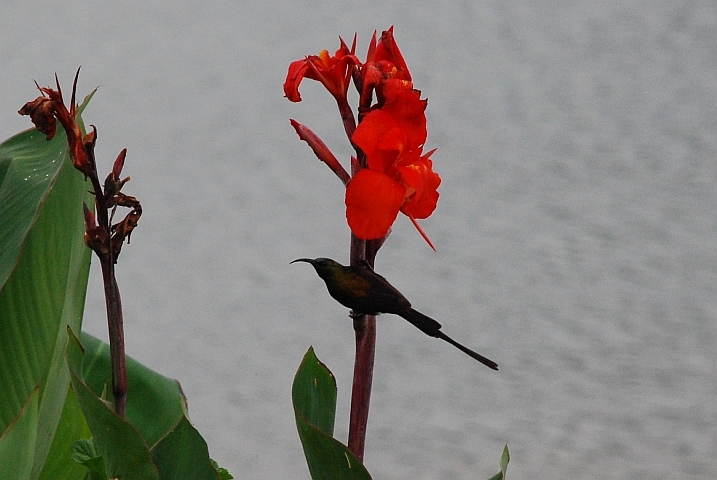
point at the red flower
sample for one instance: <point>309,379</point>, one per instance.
<point>44,110</point>
<point>389,57</point>
<point>395,133</point>
<point>333,72</point>
<point>399,177</point>
<point>42,114</point>
<point>395,175</point>
<point>372,203</point>
<point>383,62</point>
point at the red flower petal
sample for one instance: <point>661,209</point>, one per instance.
<point>387,51</point>
<point>371,129</point>
<point>423,182</point>
<point>395,134</point>
<point>421,207</point>
<point>392,87</point>
<point>380,138</point>
<point>296,73</point>
<point>334,72</point>
<point>410,113</point>
<point>372,203</point>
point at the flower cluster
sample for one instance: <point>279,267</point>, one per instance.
<point>391,172</point>
<point>45,109</point>
<point>104,239</point>
<point>333,72</point>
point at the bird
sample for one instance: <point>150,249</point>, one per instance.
<point>366,292</point>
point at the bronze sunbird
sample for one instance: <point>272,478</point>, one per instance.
<point>366,292</point>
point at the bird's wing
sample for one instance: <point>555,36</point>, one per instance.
<point>383,293</point>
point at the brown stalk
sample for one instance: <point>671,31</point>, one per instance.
<point>101,236</point>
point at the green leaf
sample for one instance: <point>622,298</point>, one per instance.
<point>504,459</point>
<point>223,473</point>
<point>177,454</point>
<point>85,453</point>
<point>18,440</point>
<point>314,393</point>
<point>29,166</point>
<point>71,428</point>
<point>44,266</point>
<point>156,440</point>
<point>125,453</point>
<point>155,403</point>
<point>314,397</point>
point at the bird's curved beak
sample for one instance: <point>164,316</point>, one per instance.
<point>307,260</point>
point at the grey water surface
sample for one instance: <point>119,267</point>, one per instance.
<point>576,232</point>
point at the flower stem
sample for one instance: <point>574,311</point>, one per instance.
<point>113,301</point>
<point>102,237</point>
<point>347,116</point>
<point>116,335</point>
<point>365,330</point>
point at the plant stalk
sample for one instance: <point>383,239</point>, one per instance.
<point>347,117</point>
<point>365,332</point>
<point>365,325</point>
<point>113,301</point>
<point>365,329</point>
<point>115,323</point>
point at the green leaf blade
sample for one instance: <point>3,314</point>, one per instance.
<point>183,455</point>
<point>44,266</point>
<point>125,453</point>
<point>19,439</point>
<point>71,427</point>
<point>29,165</point>
<point>314,393</point>
<point>155,403</point>
<point>84,452</point>
<point>314,399</point>
<point>156,417</point>
<point>504,459</point>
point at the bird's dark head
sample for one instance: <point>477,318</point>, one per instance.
<point>325,267</point>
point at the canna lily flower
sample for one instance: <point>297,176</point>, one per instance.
<point>95,236</point>
<point>41,111</point>
<point>45,109</point>
<point>383,62</point>
<point>395,175</point>
<point>395,133</point>
<point>387,55</point>
<point>334,72</point>
<point>399,176</point>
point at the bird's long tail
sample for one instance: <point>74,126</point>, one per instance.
<point>432,328</point>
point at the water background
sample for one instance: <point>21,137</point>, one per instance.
<point>576,230</point>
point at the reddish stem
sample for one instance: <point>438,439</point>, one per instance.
<point>365,330</point>
<point>45,111</point>
<point>347,116</point>
<point>113,301</point>
<point>116,334</point>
